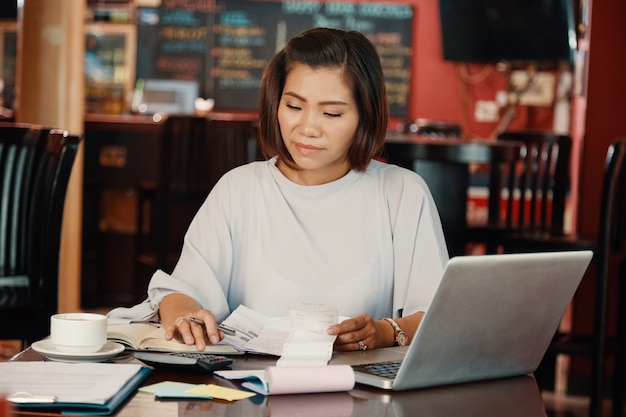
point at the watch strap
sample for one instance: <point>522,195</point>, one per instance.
<point>397,329</point>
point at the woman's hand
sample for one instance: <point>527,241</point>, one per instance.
<point>176,311</point>
<point>196,327</point>
<point>362,333</point>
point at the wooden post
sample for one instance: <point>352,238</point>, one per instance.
<point>50,92</point>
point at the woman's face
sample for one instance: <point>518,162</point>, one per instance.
<point>318,118</point>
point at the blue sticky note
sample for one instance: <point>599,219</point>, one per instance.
<point>178,390</point>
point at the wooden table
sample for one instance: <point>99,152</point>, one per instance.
<point>444,165</point>
<point>512,397</point>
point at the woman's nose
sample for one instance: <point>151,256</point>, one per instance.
<point>311,124</point>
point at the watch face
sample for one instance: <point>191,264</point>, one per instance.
<point>401,338</point>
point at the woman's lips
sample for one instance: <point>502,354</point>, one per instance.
<point>307,149</point>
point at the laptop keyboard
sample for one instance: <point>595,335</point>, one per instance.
<point>382,369</point>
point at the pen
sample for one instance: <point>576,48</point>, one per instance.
<point>227,330</point>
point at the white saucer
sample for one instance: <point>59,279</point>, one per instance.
<point>48,349</point>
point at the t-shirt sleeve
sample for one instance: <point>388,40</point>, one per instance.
<point>420,252</point>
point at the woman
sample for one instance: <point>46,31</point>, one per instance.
<point>320,221</point>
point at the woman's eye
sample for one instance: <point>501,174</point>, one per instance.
<point>292,107</point>
<point>332,114</point>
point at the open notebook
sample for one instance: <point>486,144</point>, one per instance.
<point>493,316</point>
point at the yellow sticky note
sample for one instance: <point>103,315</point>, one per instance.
<point>220,392</point>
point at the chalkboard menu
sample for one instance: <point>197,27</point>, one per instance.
<point>173,40</point>
<point>226,45</point>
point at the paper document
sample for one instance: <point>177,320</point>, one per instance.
<point>256,332</point>
<point>92,383</point>
<point>304,348</point>
<point>300,339</point>
<point>312,317</point>
<point>308,344</point>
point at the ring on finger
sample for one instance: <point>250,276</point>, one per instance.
<point>362,345</point>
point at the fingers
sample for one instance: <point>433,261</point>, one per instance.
<point>349,325</point>
<point>208,326</point>
<point>197,328</point>
<point>358,333</point>
<point>362,345</point>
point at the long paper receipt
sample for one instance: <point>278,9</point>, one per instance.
<point>295,379</point>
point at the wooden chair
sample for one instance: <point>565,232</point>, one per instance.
<point>444,165</point>
<point>619,365</point>
<point>20,148</point>
<point>195,152</point>
<point>609,250</point>
<point>529,195</point>
<point>30,279</point>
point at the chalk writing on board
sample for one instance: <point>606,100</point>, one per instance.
<point>226,44</point>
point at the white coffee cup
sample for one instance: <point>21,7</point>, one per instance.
<point>78,332</point>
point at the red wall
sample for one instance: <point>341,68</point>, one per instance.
<point>606,102</point>
<point>436,88</point>
<point>604,119</point>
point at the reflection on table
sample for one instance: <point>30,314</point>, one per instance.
<point>444,165</point>
<point>513,397</point>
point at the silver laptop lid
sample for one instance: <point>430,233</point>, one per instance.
<point>492,316</point>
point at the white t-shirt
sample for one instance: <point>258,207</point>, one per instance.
<point>370,242</point>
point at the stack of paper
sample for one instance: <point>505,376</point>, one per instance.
<point>86,388</point>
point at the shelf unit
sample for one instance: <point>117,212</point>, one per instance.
<point>110,55</point>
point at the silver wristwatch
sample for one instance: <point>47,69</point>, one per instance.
<point>401,337</point>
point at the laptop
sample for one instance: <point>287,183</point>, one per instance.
<point>493,316</point>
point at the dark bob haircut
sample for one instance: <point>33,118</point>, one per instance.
<point>350,51</point>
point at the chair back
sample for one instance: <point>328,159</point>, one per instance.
<point>46,215</point>
<point>612,235</point>
<point>609,249</point>
<point>610,259</point>
<point>612,228</point>
<point>27,316</point>
<point>183,153</point>
<point>196,151</point>
<point>20,148</point>
<point>535,189</point>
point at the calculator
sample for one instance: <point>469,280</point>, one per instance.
<point>196,362</point>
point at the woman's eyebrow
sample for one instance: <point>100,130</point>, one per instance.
<point>321,103</point>
<point>325,103</point>
<point>334,102</point>
<point>289,93</point>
